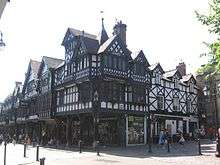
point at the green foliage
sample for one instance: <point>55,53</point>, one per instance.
<point>212,20</point>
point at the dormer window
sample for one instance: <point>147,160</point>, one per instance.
<point>158,78</point>
<point>176,83</point>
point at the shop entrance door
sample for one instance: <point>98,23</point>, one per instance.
<point>108,134</point>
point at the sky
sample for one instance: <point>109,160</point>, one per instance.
<point>167,31</point>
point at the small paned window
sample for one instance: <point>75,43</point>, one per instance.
<point>188,105</point>
<point>160,102</point>
<point>176,104</point>
<point>176,83</point>
<point>191,87</point>
<point>157,78</point>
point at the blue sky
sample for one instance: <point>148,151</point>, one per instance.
<point>167,31</point>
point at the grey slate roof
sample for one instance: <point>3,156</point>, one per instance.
<point>91,44</point>
<point>34,66</point>
<point>52,62</point>
<point>170,73</point>
<point>76,32</point>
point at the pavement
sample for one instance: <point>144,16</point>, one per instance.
<point>186,154</point>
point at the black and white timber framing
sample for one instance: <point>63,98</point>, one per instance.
<point>102,91</point>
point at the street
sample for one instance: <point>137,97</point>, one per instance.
<point>179,154</point>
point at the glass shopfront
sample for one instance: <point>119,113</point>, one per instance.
<point>135,130</point>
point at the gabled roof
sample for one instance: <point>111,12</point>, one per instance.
<point>49,62</point>
<point>34,66</point>
<point>154,66</point>
<point>52,62</point>
<point>71,33</point>
<point>171,73</point>
<point>90,44</point>
<point>187,77</point>
<point>140,57</point>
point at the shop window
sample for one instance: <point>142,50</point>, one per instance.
<point>135,130</point>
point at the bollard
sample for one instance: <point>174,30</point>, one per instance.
<point>37,153</point>
<point>149,146</point>
<point>97,148</point>
<point>168,145</point>
<point>199,146</point>
<point>217,154</point>
<point>5,143</point>
<point>42,161</point>
<point>25,147</point>
<point>80,146</point>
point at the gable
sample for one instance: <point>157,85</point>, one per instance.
<point>114,45</point>
<point>177,75</point>
<point>141,58</point>
<point>158,69</point>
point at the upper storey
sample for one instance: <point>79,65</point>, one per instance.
<point>90,57</point>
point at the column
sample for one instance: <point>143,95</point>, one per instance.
<point>145,129</point>
<point>122,130</point>
<point>67,131</point>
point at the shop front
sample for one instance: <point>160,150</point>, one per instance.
<point>136,132</point>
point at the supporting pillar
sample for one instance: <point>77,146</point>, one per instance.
<point>122,130</point>
<point>67,131</point>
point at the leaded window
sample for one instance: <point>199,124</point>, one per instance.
<point>188,105</point>
<point>176,104</point>
<point>160,102</point>
<point>157,78</point>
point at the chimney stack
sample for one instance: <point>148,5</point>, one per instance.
<point>120,29</point>
<point>182,68</point>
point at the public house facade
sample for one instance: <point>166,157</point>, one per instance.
<point>103,92</point>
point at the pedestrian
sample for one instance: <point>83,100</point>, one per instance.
<point>1,139</point>
<point>14,139</point>
<point>182,140</point>
<point>161,138</point>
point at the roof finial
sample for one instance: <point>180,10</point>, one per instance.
<point>102,17</point>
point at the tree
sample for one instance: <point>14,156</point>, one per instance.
<point>212,20</point>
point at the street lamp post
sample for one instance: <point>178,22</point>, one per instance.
<point>2,44</point>
<point>96,120</point>
<point>149,134</point>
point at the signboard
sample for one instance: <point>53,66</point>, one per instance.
<point>33,117</point>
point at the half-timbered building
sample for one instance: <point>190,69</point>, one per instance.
<point>46,100</point>
<point>30,95</point>
<point>101,91</point>
<point>104,92</point>
<point>173,101</point>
